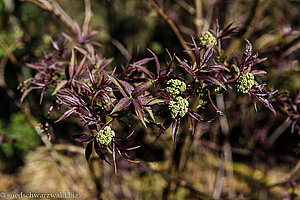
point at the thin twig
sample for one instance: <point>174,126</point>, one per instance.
<point>8,51</point>
<point>2,70</point>
<point>53,7</point>
<point>255,14</point>
<point>173,27</point>
<point>121,48</point>
<point>219,180</point>
<point>227,147</point>
<point>278,131</point>
<point>88,16</point>
<point>186,6</point>
<point>198,18</point>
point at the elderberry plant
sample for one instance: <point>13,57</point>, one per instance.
<point>82,83</point>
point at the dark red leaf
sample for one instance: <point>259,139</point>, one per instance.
<point>72,64</point>
<point>139,110</point>
<point>127,87</point>
<point>207,54</point>
<point>92,79</point>
<point>166,125</point>
<point>145,70</point>
<point>258,72</point>
<point>197,54</point>
<point>66,114</point>
<point>88,150</point>
<point>227,30</point>
<point>114,157</point>
<point>253,100</point>
<point>247,52</point>
<point>88,36</point>
<point>117,83</point>
<point>82,137</point>
<point>175,126</point>
<point>186,67</point>
<point>214,68</point>
<point>156,62</point>
<point>142,62</point>
<point>140,89</point>
<point>195,115</point>
<point>217,28</point>
<point>123,103</point>
<point>212,80</point>
<point>99,152</point>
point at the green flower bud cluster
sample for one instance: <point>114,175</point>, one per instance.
<point>105,135</point>
<point>207,39</point>
<point>175,87</point>
<point>217,89</point>
<point>202,92</point>
<point>179,107</point>
<point>245,83</point>
<point>220,59</point>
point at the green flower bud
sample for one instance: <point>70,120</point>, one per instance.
<point>105,135</point>
<point>207,39</point>
<point>245,83</point>
<point>217,90</point>
<point>175,87</point>
<point>220,59</point>
<point>179,107</point>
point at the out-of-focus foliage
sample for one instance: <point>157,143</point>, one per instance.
<point>263,149</point>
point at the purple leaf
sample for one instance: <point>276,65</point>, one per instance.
<point>88,36</point>
<point>139,110</point>
<point>25,93</point>
<point>253,100</point>
<point>175,126</point>
<point>215,68</point>
<point>156,62</point>
<point>88,150</point>
<point>207,54</point>
<point>297,98</point>
<point>66,114</point>
<point>258,72</point>
<point>166,125</point>
<point>82,137</point>
<point>197,54</point>
<point>99,152</point>
<point>217,28</point>
<point>195,115</point>
<point>127,87</point>
<point>114,157</point>
<point>72,65</point>
<point>140,89</point>
<point>123,103</point>
<point>145,70</point>
<point>186,67</point>
<point>142,62</point>
<point>92,78</point>
<point>212,80</point>
<point>227,30</point>
<point>62,84</point>
<point>247,52</point>
<point>117,83</point>
<point>125,156</point>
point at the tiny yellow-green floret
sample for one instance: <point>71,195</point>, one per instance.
<point>175,87</point>
<point>179,107</point>
<point>207,39</point>
<point>105,135</point>
<point>245,83</point>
